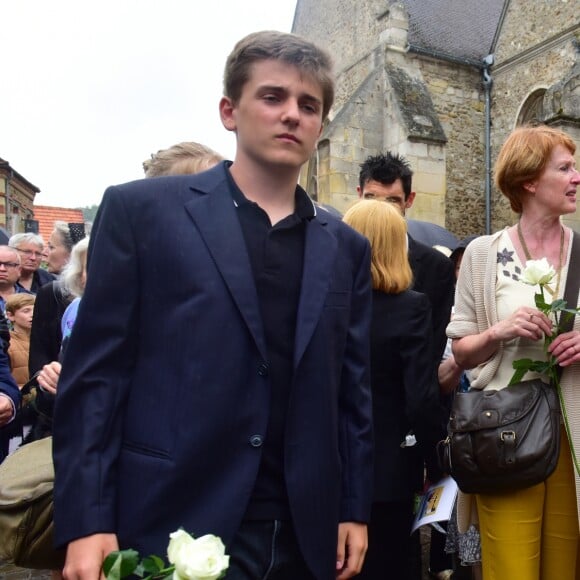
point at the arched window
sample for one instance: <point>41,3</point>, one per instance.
<point>532,111</point>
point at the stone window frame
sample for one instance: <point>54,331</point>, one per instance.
<point>532,109</point>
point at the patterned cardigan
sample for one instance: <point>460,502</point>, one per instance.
<point>476,311</point>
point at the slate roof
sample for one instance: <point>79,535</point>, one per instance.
<point>47,215</point>
<point>461,29</point>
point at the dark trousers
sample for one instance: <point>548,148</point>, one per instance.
<point>388,555</point>
<point>439,560</point>
<point>266,550</point>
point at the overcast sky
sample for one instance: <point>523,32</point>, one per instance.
<point>88,90</point>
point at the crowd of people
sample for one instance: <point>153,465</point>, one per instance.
<point>227,356</point>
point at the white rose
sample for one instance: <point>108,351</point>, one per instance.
<point>196,559</point>
<point>538,272</point>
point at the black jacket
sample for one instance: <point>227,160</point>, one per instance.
<point>434,275</point>
<point>405,392</point>
<point>45,342</point>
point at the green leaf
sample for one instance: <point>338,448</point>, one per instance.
<point>558,305</point>
<point>120,564</point>
<point>153,564</point>
<point>112,566</point>
<point>540,366</point>
<point>522,363</point>
<point>517,377</point>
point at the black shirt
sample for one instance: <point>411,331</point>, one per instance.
<point>277,257</point>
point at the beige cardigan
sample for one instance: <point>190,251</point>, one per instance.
<point>476,311</point>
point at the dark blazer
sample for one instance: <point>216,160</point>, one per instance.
<point>405,392</point>
<point>8,388</point>
<point>434,275</point>
<point>46,334</point>
<point>45,341</point>
<point>164,394</point>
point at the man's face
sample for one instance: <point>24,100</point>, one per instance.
<point>9,267</point>
<point>30,256</point>
<point>278,117</point>
<point>391,193</point>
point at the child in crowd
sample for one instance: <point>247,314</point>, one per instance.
<point>19,311</point>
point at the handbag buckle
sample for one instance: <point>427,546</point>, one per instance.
<point>511,435</point>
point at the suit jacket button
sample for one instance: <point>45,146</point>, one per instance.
<point>263,369</point>
<point>256,441</point>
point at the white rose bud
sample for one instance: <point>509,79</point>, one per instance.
<point>538,272</point>
<point>196,559</point>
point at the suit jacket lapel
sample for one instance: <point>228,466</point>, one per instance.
<point>228,248</point>
<point>319,255</point>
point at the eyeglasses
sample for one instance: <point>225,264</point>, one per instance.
<point>9,265</point>
<point>30,253</point>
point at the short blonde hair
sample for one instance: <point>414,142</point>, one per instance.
<point>385,228</point>
<point>19,300</point>
<point>181,159</point>
<point>524,156</point>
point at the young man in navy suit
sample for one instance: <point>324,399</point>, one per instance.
<point>234,401</point>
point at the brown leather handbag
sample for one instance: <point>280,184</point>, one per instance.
<point>502,440</point>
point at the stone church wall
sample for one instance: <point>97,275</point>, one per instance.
<point>529,56</point>
<point>459,101</point>
<point>529,22</point>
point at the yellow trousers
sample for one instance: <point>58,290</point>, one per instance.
<point>532,534</point>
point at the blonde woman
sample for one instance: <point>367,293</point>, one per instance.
<point>406,411</point>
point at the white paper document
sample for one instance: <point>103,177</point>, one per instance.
<point>437,504</point>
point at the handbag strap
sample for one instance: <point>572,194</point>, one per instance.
<point>572,284</point>
<point>571,298</point>
<point>572,281</point>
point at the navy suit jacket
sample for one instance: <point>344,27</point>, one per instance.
<point>164,395</point>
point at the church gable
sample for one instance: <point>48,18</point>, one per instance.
<point>415,106</point>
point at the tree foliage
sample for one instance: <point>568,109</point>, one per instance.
<point>89,212</point>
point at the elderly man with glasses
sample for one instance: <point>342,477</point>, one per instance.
<point>9,274</point>
<point>30,247</point>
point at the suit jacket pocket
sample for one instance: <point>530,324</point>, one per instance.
<point>140,449</point>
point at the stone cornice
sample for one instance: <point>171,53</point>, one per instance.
<point>536,51</point>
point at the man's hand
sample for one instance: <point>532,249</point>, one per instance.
<point>48,377</point>
<point>85,556</point>
<point>6,410</point>
<point>351,549</point>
